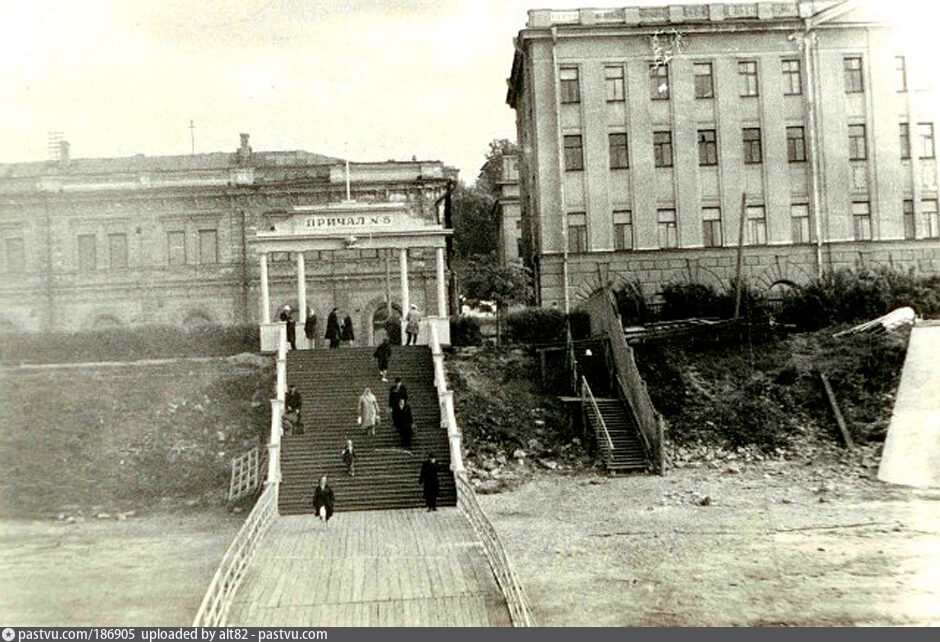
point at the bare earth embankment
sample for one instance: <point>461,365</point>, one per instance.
<point>112,487</point>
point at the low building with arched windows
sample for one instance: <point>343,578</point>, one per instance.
<point>183,240</point>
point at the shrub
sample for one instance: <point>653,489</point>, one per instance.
<point>687,300</point>
<point>465,331</point>
<point>536,325</point>
<point>846,296</point>
<point>128,344</point>
<point>631,304</point>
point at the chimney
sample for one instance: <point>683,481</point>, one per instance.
<point>244,149</point>
<point>64,154</point>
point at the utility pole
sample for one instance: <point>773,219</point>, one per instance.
<point>192,138</point>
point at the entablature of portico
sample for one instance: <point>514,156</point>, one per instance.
<point>350,225</point>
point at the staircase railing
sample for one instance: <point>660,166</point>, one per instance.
<point>217,601</point>
<point>604,442</point>
<point>228,577</point>
<point>245,474</point>
<point>445,400</point>
<point>571,360</point>
<point>516,600</point>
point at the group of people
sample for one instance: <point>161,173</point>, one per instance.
<point>336,333</point>
<point>342,333</point>
<point>324,500</point>
<point>399,412</point>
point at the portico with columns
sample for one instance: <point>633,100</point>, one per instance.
<point>349,225</point>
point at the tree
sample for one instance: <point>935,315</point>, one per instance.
<point>492,171</point>
<point>484,279</point>
<point>475,225</point>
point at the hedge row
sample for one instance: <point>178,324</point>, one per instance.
<point>128,344</point>
<point>840,296</point>
<point>531,325</point>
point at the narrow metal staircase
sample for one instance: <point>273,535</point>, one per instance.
<point>330,383</point>
<point>628,452</point>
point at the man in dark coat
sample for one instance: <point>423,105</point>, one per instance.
<point>404,423</point>
<point>310,328</point>
<point>323,500</point>
<point>430,480</point>
<point>293,400</point>
<point>382,354</point>
<point>348,335</point>
<point>396,392</point>
<point>333,334</point>
<point>291,327</point>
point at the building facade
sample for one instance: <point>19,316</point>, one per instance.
<point>509,212</point>
<point>648,133</point>
<point>88,243</point>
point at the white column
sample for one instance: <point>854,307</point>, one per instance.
<point>441,288</point>
<point>301,300</point>
<point>265,296</point>
<point>403,275</point>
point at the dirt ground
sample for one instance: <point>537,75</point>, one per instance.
<point>142,571</point>
<point>776,543</point>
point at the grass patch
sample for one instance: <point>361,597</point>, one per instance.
<point>127,437</point>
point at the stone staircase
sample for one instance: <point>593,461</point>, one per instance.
<point>330,383</point>
<point>628,453</point>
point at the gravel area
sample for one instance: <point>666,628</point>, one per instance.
<point>774,542</point>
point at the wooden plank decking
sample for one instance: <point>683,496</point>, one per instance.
<point>370,568</point>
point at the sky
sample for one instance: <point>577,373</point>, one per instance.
<point>364,79</point>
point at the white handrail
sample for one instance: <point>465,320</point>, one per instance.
<point>516,600</point>
<point>445,400</point>
<point>218,598</point>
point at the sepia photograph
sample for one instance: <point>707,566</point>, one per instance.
<point>468,313</point>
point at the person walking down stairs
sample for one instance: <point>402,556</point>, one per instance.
<point>368,411</point>
<point>431,481</point>
<point>349,458</point>
<point>404,423</point>
<point>396,392</point>
<point>382,354</point>
<point>288,318</point>
<point>323,500</point>
<point>310,328</point>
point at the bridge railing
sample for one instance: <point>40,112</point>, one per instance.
<point>218,598</point>
<point>228,577</point>
<point>516,599</point>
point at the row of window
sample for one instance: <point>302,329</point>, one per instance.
<point>208,252</point>
<point>755,225</point>
<point>751,139</point>
<point>704,79</point>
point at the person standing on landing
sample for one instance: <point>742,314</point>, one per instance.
<point>413,324</point>
<point>382,354</point>
<point>333,334</point>
<point>347,333</point>
<point>323,500</point>
<point>368,411</point>
<point>310,328</point>
<point>430,479</point>
<point>287,318</point>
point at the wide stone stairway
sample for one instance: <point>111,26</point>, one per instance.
<point>330,383</point>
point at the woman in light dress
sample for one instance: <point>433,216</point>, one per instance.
<point>368,411</point>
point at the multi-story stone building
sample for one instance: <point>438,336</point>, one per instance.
<point>171,239</point>
<point>648,133</point>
